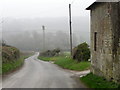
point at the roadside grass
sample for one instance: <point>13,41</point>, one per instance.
<point>9,66</point>
<point>12,65</point>
<point>69,63</point>
<point>66,62</point>
<point>94,81</point>
<point>48,58</point>
<point>0,64</point>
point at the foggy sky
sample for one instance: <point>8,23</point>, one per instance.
<point>29,15</point>
<point>43,8</point>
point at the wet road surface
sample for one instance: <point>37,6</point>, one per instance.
<point>39,74</point>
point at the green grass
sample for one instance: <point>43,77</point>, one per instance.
<point>12,65</point>
<point>0,64</point>
<point>48,58</point>
<point>67,62</point>
<point>71,64</point>
<point>94,81</point>
<point>9,66</point>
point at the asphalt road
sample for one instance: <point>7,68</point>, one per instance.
<point>39,74</point>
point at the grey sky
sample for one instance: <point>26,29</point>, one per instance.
<point>20,16</point>
<point>43,8</point>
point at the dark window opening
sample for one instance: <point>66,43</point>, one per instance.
<point>95,41</point>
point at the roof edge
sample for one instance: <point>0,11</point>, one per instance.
<point>93,4</point>
<point>99,2</point>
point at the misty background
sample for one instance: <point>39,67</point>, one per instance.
<point>22,20</point>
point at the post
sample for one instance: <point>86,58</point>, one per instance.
<point>43,28</point>
<point>70,22</point>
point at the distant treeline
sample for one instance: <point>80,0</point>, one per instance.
<point>34,41</point>
<point>26,33</point>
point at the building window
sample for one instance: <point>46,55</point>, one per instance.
<point>95,41</point>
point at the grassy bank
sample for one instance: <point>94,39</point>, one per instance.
<point>11,58</point>
<point>94,81</point>
<point>67,62</point>
<point>9,66</point>
<point>0,64</point>
<point>12,65</point>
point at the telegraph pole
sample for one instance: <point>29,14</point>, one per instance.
<point>70,22</point>
<point>43,28</point>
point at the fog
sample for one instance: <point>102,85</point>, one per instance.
<point>23,19</point>
<point>27,34</point>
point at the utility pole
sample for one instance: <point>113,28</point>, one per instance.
<point>70,22</point>
<point>43,28</point>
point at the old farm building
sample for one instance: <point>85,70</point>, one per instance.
<point>105,39</point>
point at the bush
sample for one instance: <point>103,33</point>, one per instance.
<point>50,53</point>
<point>81,52</point>
<point>9,54</point>
<point>3,43</point>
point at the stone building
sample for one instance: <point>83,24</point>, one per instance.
<point>105,39</point>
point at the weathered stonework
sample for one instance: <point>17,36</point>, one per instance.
<point>105,21</point>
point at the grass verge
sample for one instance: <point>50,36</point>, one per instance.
<point>9,66</point>
<point>67,63</point>
<point>12,65</point>
<point>0,64</point>
<point>93,81</point>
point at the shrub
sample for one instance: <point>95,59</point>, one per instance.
<point>81,52</point>
<point>9,53</point>
<point>50,53</point>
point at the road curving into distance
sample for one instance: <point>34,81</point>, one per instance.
<point>39,74</point>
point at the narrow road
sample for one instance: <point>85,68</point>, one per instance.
<point>39,74</point>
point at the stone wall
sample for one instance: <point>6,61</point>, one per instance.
<point>106,57</point>
<point>115,17</point>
